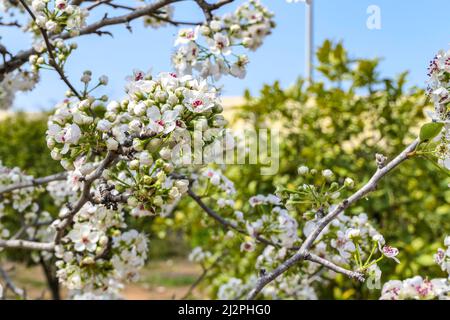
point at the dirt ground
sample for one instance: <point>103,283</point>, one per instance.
<point>170,279</point>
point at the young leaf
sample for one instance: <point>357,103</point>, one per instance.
<point>430,130</point>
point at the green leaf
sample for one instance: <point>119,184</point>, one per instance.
<point>430,130</point>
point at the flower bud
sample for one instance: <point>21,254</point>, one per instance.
<point>328,174</point>
<point>138,144</point>
<point>134,164</point>
<point>165,153</point>
<point>349,183</point>
<point>158,201</point>
<point>147,180</point>
<point>303,170</point>
<point>112,144</point>
<point>87,261</point>
<point>132,201</point>
<point>103,80</point>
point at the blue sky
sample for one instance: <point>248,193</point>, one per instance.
<point>412,31</point>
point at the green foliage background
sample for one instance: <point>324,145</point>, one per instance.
<point>339,123</point>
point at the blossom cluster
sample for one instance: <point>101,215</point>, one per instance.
<point>416,288</point>
<point>275,222</point>
<point>97,255</point>
<point>58,15</point>
<point>63,192</point>
<point>246,27</point>
<point>60,50</point>
<point>165,123</point>
<point>13,82</point>
<point>351,242</point>
<point>439,90</point>
<point>20,199</point>
<point>419,288</point>
<point>316,191</point>
<point>442,257</point>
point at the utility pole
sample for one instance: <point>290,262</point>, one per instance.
<point>309,40</point>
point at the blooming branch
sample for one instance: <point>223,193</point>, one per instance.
<point>310,257</point>
<point>85,195</point>
<point>94,28</point>
<point>303,252</point>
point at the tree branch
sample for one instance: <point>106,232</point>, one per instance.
<point>328,264</point>
<point>51,55</point>
<point>303,252</point>
<point>85,194</point>
<point>208,8</point>
<point>202,276</point>
<point>10,284</point>
<point>22,57</point>
<point>27,245</point>
<point>10,24</point>
<point>35,182</point>
<point>110,4</point>
<point>311,257</point>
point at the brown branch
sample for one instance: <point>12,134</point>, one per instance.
<point>52,60</point>
<point>176,23</point>
<point>110,4</point>
<point>10,24</point>
<point>208,8</point>
<point>22,57</point>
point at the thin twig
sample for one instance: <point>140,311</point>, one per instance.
<point>34,182</point>
<point>175,23</point>
<point>208,8</point>
<point>303,252</point>
<point>10,24</point>
<point>52,59</point>
<point>202,276</point>
<point>311,257</point>
<point>10,284</point>
<point>94,28</point>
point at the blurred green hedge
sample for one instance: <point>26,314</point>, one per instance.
<point>22,144</point>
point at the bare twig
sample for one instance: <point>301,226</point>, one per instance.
<point>208,8</point>
<point>35,182</point>
<point>303,252</point>
<point>110,4</point>
<point>174,22</point>
<point>10,284</point>
<point>10,24</point>
<point>327,264</point>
